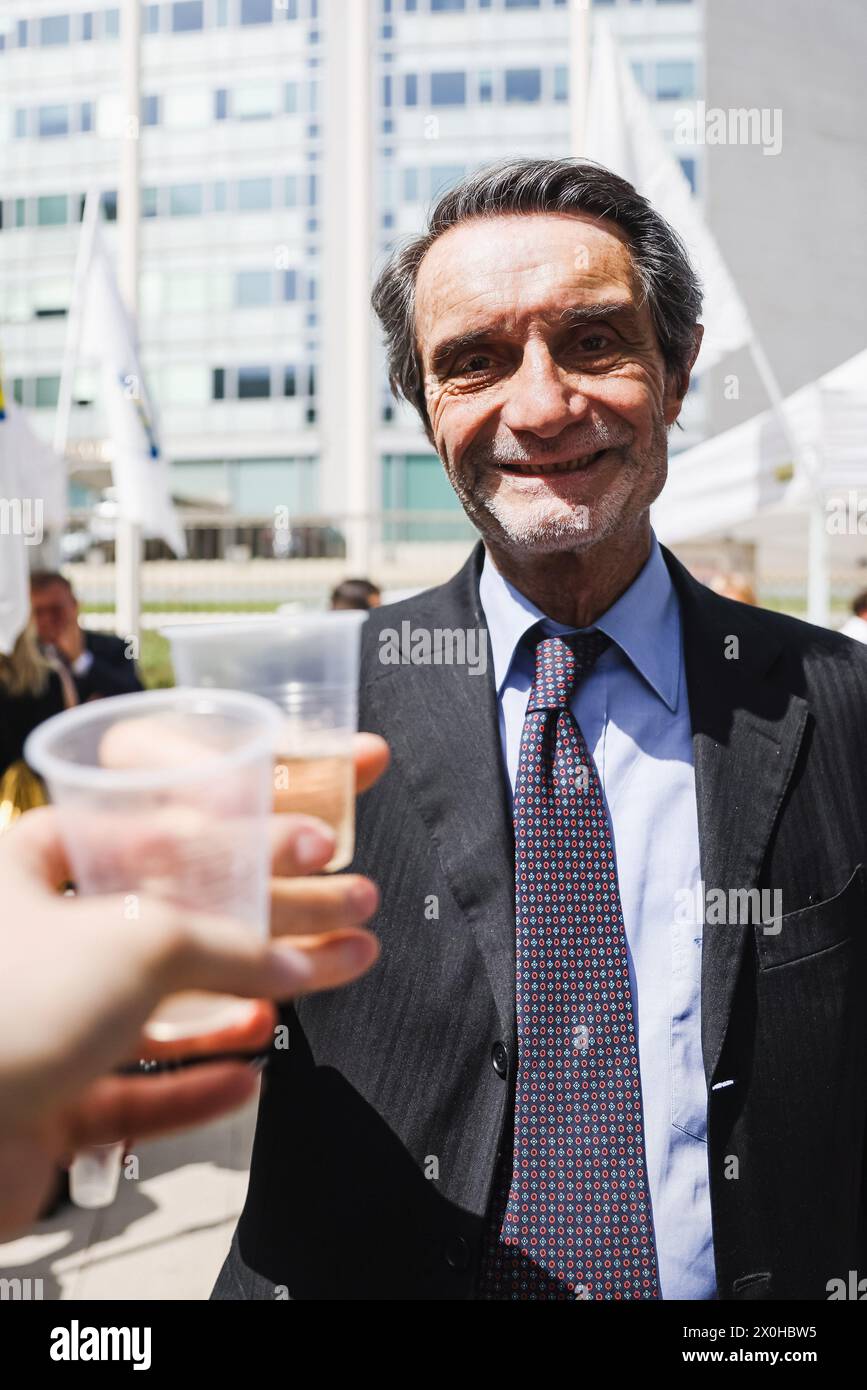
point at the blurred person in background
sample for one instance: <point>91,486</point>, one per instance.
<point>356,593</point>
<point>97,661</point>
<point>856,626</point>
<point>735,586</point>
<point>32,689</point>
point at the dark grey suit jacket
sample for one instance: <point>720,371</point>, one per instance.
<point>380,1126</point>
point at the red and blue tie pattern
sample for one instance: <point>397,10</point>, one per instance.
<point>571,1216</point>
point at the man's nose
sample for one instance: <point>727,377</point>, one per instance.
<point>542,400</point>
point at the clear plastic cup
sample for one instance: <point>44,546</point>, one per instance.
<point>307,664</point>
<point>165,794</point>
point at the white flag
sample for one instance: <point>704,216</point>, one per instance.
<point>622,135</point>
<point>32,497</point>
<point>140,471</point>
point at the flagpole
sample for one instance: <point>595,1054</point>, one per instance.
<point>73,323</point>
<point>579,70</point>
<point>128,541</point>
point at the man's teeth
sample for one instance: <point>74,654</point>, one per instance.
<point>571,466</point>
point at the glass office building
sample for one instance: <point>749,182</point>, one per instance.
<point>234,146</point>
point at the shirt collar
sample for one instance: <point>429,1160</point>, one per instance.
<point>644,622</point>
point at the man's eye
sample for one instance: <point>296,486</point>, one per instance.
<point>594,342</point>
<point>479,362</point>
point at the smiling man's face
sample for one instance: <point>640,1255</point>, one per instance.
<point>545,384</point>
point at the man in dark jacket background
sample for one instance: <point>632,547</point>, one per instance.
<point>98,661</point>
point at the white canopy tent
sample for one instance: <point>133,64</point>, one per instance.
<point>746,484</point>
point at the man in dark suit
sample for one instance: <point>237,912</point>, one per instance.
<point>99,662</point>
<point>615,1045</point>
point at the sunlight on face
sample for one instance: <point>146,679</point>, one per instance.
<point>546,388</point>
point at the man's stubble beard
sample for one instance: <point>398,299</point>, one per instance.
<point>549,525</point>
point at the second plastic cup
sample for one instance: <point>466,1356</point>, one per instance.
<point>307,665</point>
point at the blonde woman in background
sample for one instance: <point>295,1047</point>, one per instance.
<point>32,689</point>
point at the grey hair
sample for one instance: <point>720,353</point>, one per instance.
<point>669,284</point>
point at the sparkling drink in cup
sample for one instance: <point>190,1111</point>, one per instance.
<point>307,665</point>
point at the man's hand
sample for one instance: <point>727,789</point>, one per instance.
<point>70,639</point>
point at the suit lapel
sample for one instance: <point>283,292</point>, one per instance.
<point>747,730</point>
<point>443,724</point>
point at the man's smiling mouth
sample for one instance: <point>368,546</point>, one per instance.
<point>541,470</point>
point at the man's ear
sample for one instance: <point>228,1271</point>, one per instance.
<point>677,383</point>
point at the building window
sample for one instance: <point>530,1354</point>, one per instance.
<point>523,84</point>
<point>54,29</point>
<point>151,23</point>
<point>53,120</point>
<point>290,98</point>
<point>561,84</point>
<point>187,15</point>
<point>448,88</point>
<point>444,176</point>
<point>185,200</point>
<point>20,212</point>
<point>21,33</point>
<point>87,25</point>
<point>254,195</point>
<point>486,86</point>
<point>256,11</point>
<point>290,285</point>
<point>290,386</point>
<point>85,117</point>
<point>675,81</point>
<point>108,203</point>
<point>290,191</point>
<point>218,384</point>
<point>149,202</point>
<point>51,210</point>
<point>522,4</point>
<point>440,6</point>
<point>254,383</point>
<point>221,104</point>
<point>258,102</point>
<point>47,392</point>
<point>253,288</point>
<point>150,110</point>
<point>111,24</point>
<point>219,196</point>
<point>687,164</point>
<point>410,185</point>
<point>410,89</point>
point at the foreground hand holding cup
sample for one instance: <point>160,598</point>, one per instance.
<point>81,981</point>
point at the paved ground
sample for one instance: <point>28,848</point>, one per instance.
<point>166,1235</point>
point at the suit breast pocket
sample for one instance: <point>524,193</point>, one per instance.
<point>816,928</point>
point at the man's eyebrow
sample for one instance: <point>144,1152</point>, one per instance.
<point>573,317</point>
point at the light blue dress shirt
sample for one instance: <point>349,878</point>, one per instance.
<point>633,712</point>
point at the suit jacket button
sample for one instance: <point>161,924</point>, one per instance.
<point>500,1059</point>
<point>458,1253</point>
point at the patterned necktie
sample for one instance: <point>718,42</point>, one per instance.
<point>570,1217</point>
